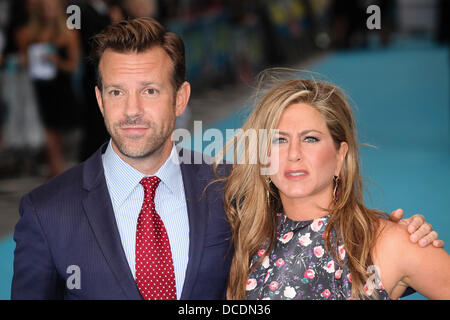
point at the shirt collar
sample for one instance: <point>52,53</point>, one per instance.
<point>122,178</point>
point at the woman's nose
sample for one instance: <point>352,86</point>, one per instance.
<point>295,152</point>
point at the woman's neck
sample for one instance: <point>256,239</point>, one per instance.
<point>308,208</point>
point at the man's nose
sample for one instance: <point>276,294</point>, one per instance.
<point>134,106</point>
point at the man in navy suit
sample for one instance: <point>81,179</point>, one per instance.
<point>76,238</point>
<point>76,235</point>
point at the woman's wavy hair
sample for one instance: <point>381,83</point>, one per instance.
<point>37,21</point>
<point>251,201</point>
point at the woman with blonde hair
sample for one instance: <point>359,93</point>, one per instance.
<point>302,231</point>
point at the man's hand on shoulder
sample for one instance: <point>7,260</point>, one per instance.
<point>420,231</point>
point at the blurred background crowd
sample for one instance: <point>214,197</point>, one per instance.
<point>49,118</point>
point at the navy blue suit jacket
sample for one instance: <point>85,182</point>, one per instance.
<point>69,221</point>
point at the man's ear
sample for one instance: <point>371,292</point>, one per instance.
<point>182,98</point>
<point>98,95</point>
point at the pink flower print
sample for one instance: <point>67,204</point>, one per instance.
<point>279,262</point>
<point>341,251</point>
<point>316,225</point>
<point>251,284</point>
<point>349,277</point>
<point>287,237</point>
<point>338,274</point>
<point>318,251</point>
<point>326,293</point>
<point>330,266</point>
<point>309,274</point>
<point>273,285</point>
<point>305,240</point>
<point>261,252</point>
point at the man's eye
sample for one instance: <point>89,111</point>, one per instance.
<point>311,139</point>
<point>151,91</point>
<point>115,93</point>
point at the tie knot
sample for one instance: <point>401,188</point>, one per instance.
<point>150,184</point>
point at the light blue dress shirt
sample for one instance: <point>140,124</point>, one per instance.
<point>127,196</point>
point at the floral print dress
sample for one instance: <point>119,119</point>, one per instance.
<point>299,267</point>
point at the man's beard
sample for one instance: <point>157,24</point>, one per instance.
<point>146,147</point>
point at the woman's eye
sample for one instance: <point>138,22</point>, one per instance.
<point>279,140</point>
<point>311,139</point>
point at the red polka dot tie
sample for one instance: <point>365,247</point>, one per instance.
<point>155,277</point>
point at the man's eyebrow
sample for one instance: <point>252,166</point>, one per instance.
<point>122,86</point>
<point>114,85</point>
<point>148,83</point>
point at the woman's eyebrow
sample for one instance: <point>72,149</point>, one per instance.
<point>309,130</point>
<point>283,133</point>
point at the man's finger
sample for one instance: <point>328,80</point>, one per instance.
<point>438,243</point>
<point>421,232</point>
<point>417,220</point>
<point>396,215</point>
<point>428,239</point>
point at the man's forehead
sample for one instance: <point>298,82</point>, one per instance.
<point>149,65</point>
<point>153,55</point>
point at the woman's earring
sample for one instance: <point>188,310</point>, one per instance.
<point>337,182</point>
<point>269,181</point>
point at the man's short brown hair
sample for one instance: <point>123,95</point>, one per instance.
<point>136,36</point>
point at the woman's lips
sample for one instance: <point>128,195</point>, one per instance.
<point>296,174</point>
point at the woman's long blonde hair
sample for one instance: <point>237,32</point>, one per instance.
<point>37,20</point>
<point>251,202</point>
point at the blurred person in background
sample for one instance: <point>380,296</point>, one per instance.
<point>21,148</point>
<point>129,9</point>
<point>388,10</point>
<point>51,52</point>
<point>3,18</point>
<point>443,16</point>
<point>95,15</point>
<point>141,8</point>
<point>348,23</point>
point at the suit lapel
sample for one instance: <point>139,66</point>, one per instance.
<point>99,211</point>
<point>198,214</point>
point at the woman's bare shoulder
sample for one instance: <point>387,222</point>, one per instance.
<point>392,237</point>
<point>388,254</point>
<point>407,264</point>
